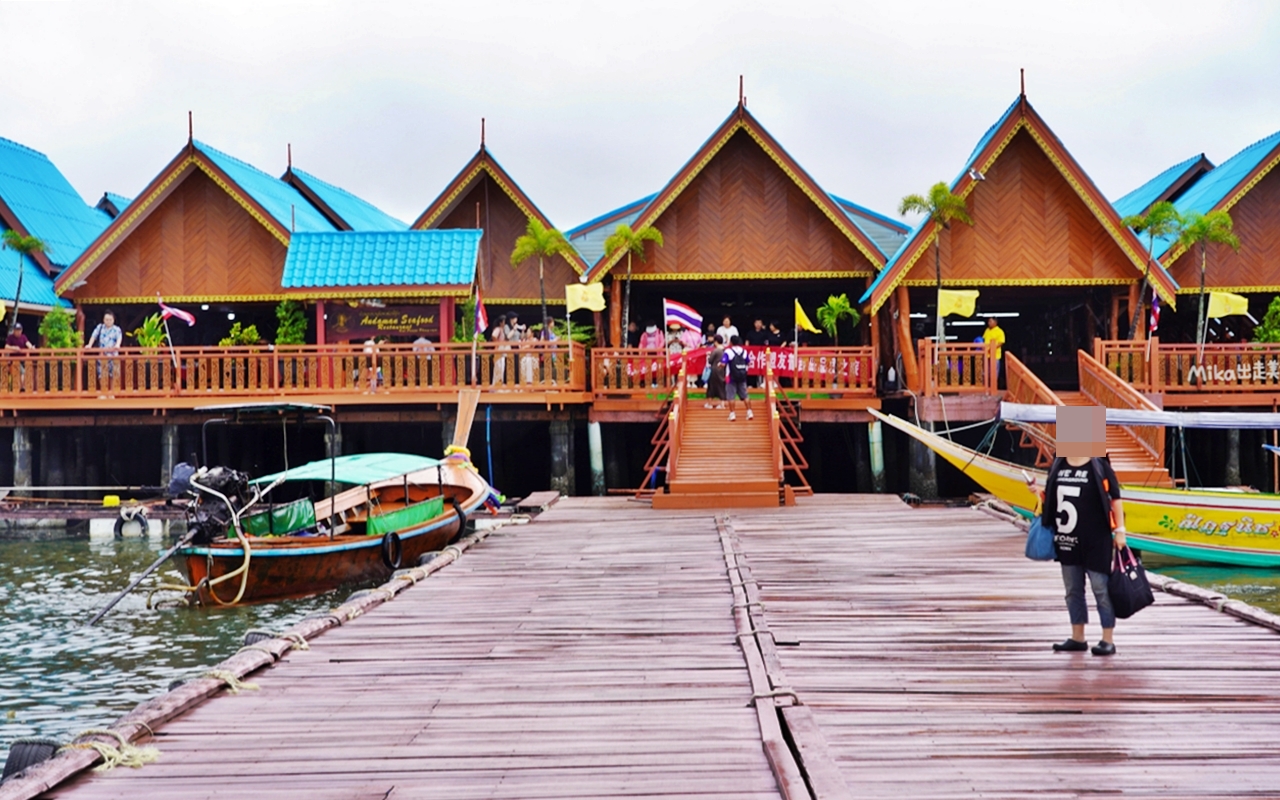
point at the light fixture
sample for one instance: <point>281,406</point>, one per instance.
<point>204,306</point>
<point>231,315</point>
<point>919,316</point>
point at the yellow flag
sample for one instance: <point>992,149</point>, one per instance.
<point>957,301</point>
<point>2,310</point>
<point>802,319</point>
<point>589,296</point>
<point>1226,304</point>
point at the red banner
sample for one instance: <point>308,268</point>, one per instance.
<point>783,361</point>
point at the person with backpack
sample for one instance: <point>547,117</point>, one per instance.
<point>737,364</point>
<point>1082,505</point>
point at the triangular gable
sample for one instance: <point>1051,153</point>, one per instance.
<point>484,164</point>
<point>1168,184</point>
<point>343,209</point>
<point>278,208</point>
<point>1018,117</point>
<point>588,238</point>
<point>1227,185</point>
<point>742,120</point>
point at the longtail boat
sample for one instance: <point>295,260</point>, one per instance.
<point>386,510</point>
<point>1221,526</point>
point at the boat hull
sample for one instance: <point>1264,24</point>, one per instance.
<point>1209,525</point>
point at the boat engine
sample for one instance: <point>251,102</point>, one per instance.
<point>209,517</point>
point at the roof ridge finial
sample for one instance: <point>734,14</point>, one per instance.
<point>482,133</point>
<point>1022,82</point>
<point>742,97</point>
<point>289,155</point>
<point>191,128</point>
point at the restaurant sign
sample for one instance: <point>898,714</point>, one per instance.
<point>366,323</point>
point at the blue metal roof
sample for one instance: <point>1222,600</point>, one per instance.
<point>359,214</point>
<point>886,233</point>
<point>46,204</point>
<point>388,258</point>
<point>283,202</point>
<point>984,141</point>
<point>37,286</point>
<point>588,238</point>
<point>113,204</point>
<point>1142,198</point>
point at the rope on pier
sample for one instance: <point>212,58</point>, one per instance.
<point>122,755</point>
<point>234,684</point>
<point>260,649</point>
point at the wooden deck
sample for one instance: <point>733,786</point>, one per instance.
<point>593,653</point>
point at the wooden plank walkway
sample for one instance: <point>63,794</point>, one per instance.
<point>588,654</point>
<point>593,653</point>
<point>920,640</point>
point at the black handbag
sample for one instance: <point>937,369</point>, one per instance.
<point>1128,587</point>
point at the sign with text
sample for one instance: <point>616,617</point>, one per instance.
<point>367,323</point>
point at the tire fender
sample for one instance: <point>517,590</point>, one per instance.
<point>25,753</point>
<point>392,550</point>
<point>462,519</point>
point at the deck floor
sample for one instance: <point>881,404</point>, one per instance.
<point>592,654</point>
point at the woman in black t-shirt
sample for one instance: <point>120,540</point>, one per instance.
<point>1082,505</point>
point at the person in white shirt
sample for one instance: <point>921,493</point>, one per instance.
<point>727,330</point>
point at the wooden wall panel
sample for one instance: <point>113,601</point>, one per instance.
<point>743,214</point>
<point>1029,225</point>
<point>1257,264</point>
<point>506,223</point>
<point>197,242</point>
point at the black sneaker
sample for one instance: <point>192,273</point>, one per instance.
<point>1104,649</point>
<point>1070,646</point>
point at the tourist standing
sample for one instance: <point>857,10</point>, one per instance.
<point>633,334</point>
<point>652,338</point>
<point>727,330</point>
<point>107,336</point>
<point>757,336</point>
<point>17,340</point>
<point>994,334</point>
<point>1082,504</point>
<point>715,374</point>
<point>737,364</point>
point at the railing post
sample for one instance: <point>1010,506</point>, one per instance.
<point>1153,366</point>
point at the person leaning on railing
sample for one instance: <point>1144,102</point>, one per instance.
<point>107,336</point>
<point>16,342</point>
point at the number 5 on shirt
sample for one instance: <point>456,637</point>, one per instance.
<point>1067,507</point>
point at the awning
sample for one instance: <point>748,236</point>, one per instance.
<point>357,469</point>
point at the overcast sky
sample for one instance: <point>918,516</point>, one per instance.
<point>591,105</point>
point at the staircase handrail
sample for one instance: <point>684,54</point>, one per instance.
<point>675,419</point>
<point>1105,388</point>
<point>775,422</point>
<point>1024,386</point>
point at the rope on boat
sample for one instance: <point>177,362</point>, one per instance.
<point>123,754</point>
<point>234,684</point>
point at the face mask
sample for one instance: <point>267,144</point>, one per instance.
<point>651,329</point>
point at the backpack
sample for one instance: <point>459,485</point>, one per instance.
<point>738,364</point>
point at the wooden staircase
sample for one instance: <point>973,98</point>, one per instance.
<point>1132,463</point>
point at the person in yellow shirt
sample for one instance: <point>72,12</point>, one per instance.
<point>994,334</point>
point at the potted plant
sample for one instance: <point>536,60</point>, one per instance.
<point>151,337</point>
<point>291,330</point>
<point>57,330</point>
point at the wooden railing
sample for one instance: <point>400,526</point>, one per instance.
<point>1106,389</point>
<point>956,368</point>
<point>844,371</point>
<point>291,370</point>
<point>785,413</point>
<point>675,421</point>
<point>1023,386</point>
<point>1127,360</point>
<point>631,372</point>
<point>1155,366</point>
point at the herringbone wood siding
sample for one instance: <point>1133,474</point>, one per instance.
<point>198,241</point>
<point>1257,225</point>
<point>744,214</point>
<point>506,223</point>
<point>1028,224</point>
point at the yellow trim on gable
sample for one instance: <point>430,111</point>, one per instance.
<point>1234,289</point>
<point>281,235</point>
<point>744,276</point>
<point>288,294</point>
<point>1178,249</point>
<point>1023,282</point>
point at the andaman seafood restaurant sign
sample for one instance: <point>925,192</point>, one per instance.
<point>365,323</point>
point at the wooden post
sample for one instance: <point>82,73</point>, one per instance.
<point>320,322</point>
<point>51,458</point>
<point>875,439</point>
<point>617,336</point>
<point>1113,325</point>
<point>1232,477</point>
<point>597,319</point>
<point>168,452</point>
<point>1135,301</point>
<point>923,481</point>
<point>1153,365</point>
<point>906,347</point>
<point>873,322</point>
<point>562,473</point>
<point>596,448</point>
<point>447,314</point>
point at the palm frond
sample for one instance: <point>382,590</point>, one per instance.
<point>538,240</point>
<point>23,244</point>
<point>624,238</point>
<point>914,204</point>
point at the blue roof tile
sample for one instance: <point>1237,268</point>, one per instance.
<point>1142,198</point>
<point>46,204</point>
<point>283,202</point>
<point>359,214</point>
<point>588,238</point>
<point>388,258</point>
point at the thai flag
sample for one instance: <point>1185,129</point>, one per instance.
<point>168,311</point>
<point>482,317</point>
<point>674,313</point>
<point>1155,313</point>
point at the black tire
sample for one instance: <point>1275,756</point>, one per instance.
<point>120,523</point>
<point>25,753</point>
<point>462,519</point>
<point>427,558</point>
<point>392,551</point>
<point>253,637</point>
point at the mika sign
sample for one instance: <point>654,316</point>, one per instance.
<point>365,323</point>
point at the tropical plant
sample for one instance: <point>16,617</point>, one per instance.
<point>1203,230</point>
<point>941,207</point>
<point>835,309</point>
<point>583,334</point>
<point>464,328</point>
<point>1161,220</point>
<point>58,330</point>
<point>543,242</point>
<point>23,246</point>
<point>239,337</point>
<point>623,238</point>
<point>293,323</point>
<point>1268,331</point>
<point>150,333</point>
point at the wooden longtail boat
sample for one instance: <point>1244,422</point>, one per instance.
<point>1218,526</point>
<point>396,508</point>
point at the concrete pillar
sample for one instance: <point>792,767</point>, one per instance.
<point>168,452</point>
<point>924,469</point>
<point>614,471</point>
<point>875,439</point>
<point>54,466</point>
<point>78,452</point>
<point>21,456</point>
<point>562,473</point>
<point>1232,477</point>
<point>596,447</point>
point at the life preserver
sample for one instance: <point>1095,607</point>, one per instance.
<point>392,550</point>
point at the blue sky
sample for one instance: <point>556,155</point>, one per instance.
<point>591,105</point>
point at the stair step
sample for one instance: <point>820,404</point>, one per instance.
<point>771,499</point>
<point>691,485</point>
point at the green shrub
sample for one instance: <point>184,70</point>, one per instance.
<point>58,329</point>
<point>293,323</point>
<point>240,337</point>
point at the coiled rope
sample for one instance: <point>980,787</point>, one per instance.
<point>234,684</point>
<point>122,755</point>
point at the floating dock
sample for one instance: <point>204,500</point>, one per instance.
<point>848,646</point>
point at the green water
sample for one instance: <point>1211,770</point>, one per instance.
<point>1259,587</point>
<point>58,678</point>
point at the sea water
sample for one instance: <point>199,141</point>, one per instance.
<point>58,678</point>
<point>1255,586</point>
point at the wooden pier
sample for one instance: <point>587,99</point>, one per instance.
<point>595,653</point>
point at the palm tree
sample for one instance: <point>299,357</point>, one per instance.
<point>1161,220</point>
<point>633,242</point>
<point>25,246</point>
<point>543,242</point>
<point>831,312</point>
<point>941,208</point>
<point>1203,229</point>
